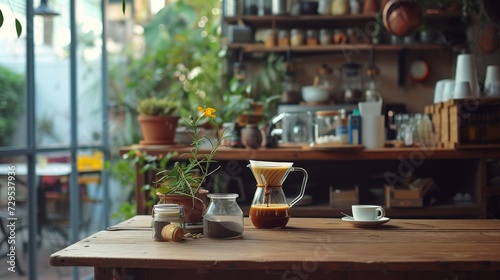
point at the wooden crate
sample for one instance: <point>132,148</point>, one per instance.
<point>462,123</point>
<point>341,197</point>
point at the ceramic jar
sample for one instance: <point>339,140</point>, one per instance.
<point>251,136</point>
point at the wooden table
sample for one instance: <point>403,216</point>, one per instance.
<point>308,248</point>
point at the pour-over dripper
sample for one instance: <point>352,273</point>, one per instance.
<point>269,207</point>
<point>270,173</point>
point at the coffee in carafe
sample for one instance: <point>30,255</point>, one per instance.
<point>269,207</point>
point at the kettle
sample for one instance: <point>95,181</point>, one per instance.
<point>402,17</point>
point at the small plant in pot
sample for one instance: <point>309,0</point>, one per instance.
<point>158,121</point>
<point>183,183</point>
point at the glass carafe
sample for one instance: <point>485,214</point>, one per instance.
<point>352,82</point>
<point>270,208</point>
<point>223,218</point>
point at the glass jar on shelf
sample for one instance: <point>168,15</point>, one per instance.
<point>270,38</point>
<point>291,91</point>
<point>325,36</point>
<point>311,37</point>
<point>325,127</point>
<point>296,37</point>
<point>324,78</point>
<point>283,38</point>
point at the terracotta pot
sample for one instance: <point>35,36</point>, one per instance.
<point>402,17</point>
<point>488,38</point>
<point>193,208</point>
<point>158,130</point>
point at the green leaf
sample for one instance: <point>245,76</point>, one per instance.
<point>19,28</point>
<point>1,18</point>
<point>124,5</point>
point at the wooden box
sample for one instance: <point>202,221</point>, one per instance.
<point>343,197</point>
<point>461,123</point>
<point>395,197</point>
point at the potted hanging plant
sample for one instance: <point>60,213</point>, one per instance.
<point>158,121</point>
<point>183,182</point>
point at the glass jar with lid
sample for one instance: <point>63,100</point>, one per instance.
<point>325,36</point>
<point>283,38</point>
<point>324,78</point>
<point>325,127</point>
<point>223,218</point>
<point>312,37</point>
<point>166,214</point>
<point>296,37</point>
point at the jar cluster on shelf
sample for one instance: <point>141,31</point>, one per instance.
<point>296,7</point>
<point>310,37</point>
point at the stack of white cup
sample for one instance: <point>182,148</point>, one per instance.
<point>466,72</point>
<point>439,93</point>
<point>492,81</point>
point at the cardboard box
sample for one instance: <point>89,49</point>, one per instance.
<point>341,197</point>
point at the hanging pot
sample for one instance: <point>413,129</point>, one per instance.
<point>402,17</point>
<point>488,38</point>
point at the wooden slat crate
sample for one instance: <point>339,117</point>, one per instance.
<point>467,123</point>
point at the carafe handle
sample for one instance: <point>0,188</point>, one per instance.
<point>302,187</point>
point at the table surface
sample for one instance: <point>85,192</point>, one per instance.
<point>333,244</point>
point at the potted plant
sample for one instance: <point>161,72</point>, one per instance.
<point>183,182</point>
<point>157,120</point>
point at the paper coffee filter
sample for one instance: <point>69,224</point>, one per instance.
<point>270,172</point>
<point>258,163</point>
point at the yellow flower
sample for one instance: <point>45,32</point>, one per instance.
<point>209,112</point>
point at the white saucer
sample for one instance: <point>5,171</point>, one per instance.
<point>375,223</point>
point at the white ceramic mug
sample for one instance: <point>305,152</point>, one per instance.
<point>367,212</point>
<point>439,90</point>
<point>493,90</point>
<point>449,90</point>
<point>462,90</point>
<point>466,71</point>
<point>492,75</point>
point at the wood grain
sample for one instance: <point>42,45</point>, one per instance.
<point>325,244</point>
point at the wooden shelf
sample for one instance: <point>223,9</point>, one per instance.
<point>296,154</point>
<point>261,48</point>
<point>307,21</point>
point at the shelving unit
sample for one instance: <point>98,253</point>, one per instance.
<point>362,21</point>
<point>318,158</point>
<point>307,21</point>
